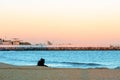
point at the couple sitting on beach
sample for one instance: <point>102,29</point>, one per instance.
<point>41,62</point>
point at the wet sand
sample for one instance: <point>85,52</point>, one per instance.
<point>9,72</point>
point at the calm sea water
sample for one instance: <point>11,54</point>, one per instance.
<point>63,59</point>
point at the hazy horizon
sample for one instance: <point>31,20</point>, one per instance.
<point>87,22</point>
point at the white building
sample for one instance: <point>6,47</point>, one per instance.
<point>7,42</point>
<point>16,42</point>
<point>1,41</point>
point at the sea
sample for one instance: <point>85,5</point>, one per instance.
<point>63,59</point>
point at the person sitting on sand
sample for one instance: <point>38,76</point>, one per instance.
<point>41,62</point>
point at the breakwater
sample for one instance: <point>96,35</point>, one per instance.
<point>27,48</point>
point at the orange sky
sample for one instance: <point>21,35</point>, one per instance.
<point>86,21</point>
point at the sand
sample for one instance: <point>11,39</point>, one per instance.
<point>9,72</point>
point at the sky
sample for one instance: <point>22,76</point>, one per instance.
<point>87,22</point>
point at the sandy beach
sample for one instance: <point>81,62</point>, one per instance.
<point>9,72</point>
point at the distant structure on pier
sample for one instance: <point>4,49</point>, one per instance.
<point>0,41</point>
<point>49,43</point>
<point>115,46</point>
<point>15,41</point>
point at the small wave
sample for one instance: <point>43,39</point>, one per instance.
<point>117,67</point>
<point>87,64</point>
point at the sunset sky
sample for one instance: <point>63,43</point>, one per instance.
<point>88,22</point>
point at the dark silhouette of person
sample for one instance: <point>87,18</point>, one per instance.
<point>41,62</point>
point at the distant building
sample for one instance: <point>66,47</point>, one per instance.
<point>13,42</point>
<point>7,42</point>
<point>16,42</point>
<point>1,41</point>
